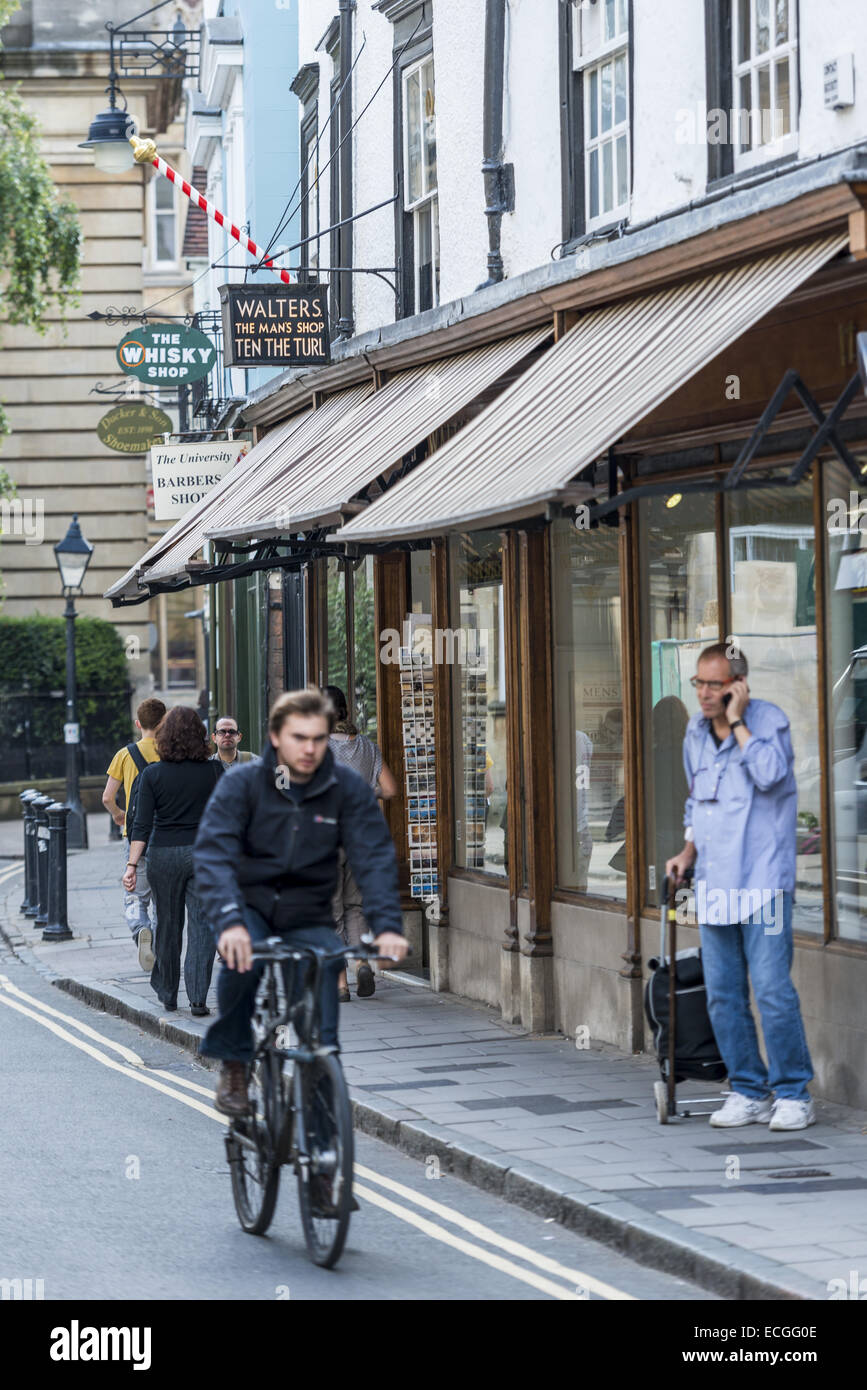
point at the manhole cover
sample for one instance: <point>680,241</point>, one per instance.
<point>801,1173</point>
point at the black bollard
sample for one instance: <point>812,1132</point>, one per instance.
<point>25,798</point>
<point>40,805</point>
<point>57,927</point>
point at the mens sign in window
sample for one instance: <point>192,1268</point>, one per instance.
<point>184,473</point>
<point>282,327</point>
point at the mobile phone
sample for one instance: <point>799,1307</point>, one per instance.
<point>726,698</point>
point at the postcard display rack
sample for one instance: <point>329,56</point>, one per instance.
<point>416,701</point>
<point>475,707</point>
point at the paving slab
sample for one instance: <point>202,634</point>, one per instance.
<point>568,1131</point>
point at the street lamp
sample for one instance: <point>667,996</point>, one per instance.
<point>109,137</point>
<point>73,556</point>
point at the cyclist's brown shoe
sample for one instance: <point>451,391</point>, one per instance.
<point>231,1097</point>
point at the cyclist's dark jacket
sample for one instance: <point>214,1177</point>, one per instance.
<point>256,844</point>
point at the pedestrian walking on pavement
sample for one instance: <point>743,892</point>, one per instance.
<point>227,737</point>
<point>123,770</point>
<point>740,821</point>
<point>357,751</point>
<point>171,799</point>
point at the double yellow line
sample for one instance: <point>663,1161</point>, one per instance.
<point>542,1273</point>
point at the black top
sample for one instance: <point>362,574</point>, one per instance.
<point>275,848</point>
<point>171,799</point>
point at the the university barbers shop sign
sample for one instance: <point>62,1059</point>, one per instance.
<point>184,473</point>
<point>160,353</point>
<point>283,327</point>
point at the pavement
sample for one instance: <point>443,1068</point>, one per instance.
<point>568,1132</point>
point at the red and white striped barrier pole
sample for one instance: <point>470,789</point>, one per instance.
<point>146,153</point>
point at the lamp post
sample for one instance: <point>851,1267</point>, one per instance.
<point>73,556</point>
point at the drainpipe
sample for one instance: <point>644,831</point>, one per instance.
<point>344,324</point>
<point>499,177</point>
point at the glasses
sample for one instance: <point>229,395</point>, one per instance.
<point>229,733</point>
<point>713,686</point>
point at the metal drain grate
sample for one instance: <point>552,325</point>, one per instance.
<point>801,1173</point>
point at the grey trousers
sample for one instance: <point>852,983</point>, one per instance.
<point>170,870</point>
<point>137,904</point>
<point>346,904</point>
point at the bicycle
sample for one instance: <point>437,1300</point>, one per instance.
<point>301,1117</point>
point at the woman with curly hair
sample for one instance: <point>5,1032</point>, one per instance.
<point>167,814</point>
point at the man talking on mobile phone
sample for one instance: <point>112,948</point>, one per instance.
<point>740,820</point>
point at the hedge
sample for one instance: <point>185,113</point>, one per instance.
<point>33,663</point>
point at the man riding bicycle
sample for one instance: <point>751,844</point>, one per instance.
<point>266,864</point>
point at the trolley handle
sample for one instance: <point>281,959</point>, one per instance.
<point>667,908</point>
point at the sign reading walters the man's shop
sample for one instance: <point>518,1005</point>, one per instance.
<point>282,327</point>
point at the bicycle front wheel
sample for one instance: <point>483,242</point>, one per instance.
<point>325,1181</point>
<point>250,1147</point>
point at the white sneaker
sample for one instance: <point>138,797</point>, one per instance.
<point>144,942</point>
<point>741,1110</point>
<point>792,1114</point>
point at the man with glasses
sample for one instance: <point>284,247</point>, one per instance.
<point>740,818</point>
<point>227,737</point>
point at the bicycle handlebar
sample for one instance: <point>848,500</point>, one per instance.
<point>276,948</point>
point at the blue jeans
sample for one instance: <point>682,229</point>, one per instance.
<point>766,951</point>
<point>136,905</point>
<point>231,1037</point>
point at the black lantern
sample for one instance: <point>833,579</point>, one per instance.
<point>73,556</point>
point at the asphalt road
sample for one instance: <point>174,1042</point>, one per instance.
<point>115,1186</point>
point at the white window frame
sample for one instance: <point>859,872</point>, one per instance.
<point>591,59</point>
<point>774,148</point>
<point>429,197</point>
<point>312,249</point>
<point>163,213</point>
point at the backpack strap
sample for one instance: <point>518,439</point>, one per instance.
<point>136,754</point>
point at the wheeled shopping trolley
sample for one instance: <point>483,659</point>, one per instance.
<point>675,1002</point>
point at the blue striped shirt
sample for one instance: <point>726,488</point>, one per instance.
<point>742,806</point>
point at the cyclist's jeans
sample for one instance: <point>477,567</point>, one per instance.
<point>231,1037</point>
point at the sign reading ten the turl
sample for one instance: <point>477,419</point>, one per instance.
<point>282,327</point>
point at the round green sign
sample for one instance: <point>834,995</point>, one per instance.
<point>165,354</point>
<point>133,428</point>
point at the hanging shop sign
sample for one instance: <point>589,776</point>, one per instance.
<point>163,354</point>
<point>284,327</point>
<point>184,473</point>
<point>133,428</point>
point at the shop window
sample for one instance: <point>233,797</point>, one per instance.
<point>336,617</point>
<point>588,711</point>
<point>679,616</point>
<point>771,560</point>
<point>364,648</point>
<point>177,657</point>
<point>847,696</point>
<point>476,650</point>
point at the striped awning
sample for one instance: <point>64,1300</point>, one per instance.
<point>603,376</point>
<point>273,456</point>
<point>370,442</point>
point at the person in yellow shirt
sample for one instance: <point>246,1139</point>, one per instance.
<point>124,768</point>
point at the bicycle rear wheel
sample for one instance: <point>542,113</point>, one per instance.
<point>325,1184</point>
<point>251,1151</point>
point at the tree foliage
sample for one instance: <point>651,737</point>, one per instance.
<point>40,246</point>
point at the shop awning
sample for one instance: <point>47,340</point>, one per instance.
<point>274,455</point>
<point>371,441</point>
<point>603,376</point>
